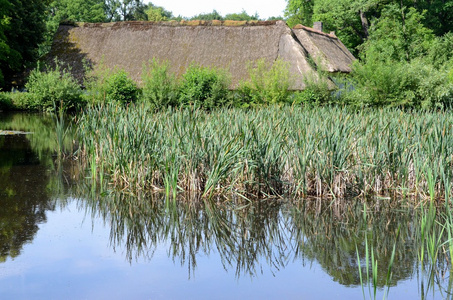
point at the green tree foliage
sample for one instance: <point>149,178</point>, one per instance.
<point>243,16</point>
<point>347,18</point>
<point>439,15</point>
<point>351,20</point>
<point>22,28</point>
<point>414,84</point>
<point>398,35</point>
<point>70,10</point>
<point>214,15</point>
<point>299,12</point>
<point>78,10</point>
<point>5,6</point>
<point>157,13</point>
<point>125,10</point>
<point>441,51</point>
<point>401,60</point>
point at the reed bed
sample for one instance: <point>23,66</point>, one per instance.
<point>271,151</point>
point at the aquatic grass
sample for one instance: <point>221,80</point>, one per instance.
<point>63,130</point>
<point>60,130</point>
<point>372,262</point>
<point>272,151</point>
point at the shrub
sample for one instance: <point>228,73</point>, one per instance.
<point>440,50</point>
<point>267,84</point>
<point>110,85</point>
<point>20,100</point>
<point>204,87</point>
<point>318,91</point>
<point>416,84</point>
<point>160,87</point>
<point>47,88</point>
<point>450,74</point>
<point>119,87</point>
<point>5,102</point>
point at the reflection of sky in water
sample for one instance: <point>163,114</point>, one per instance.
<point>71,258</point>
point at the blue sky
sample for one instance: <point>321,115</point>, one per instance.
<point>189,8</point>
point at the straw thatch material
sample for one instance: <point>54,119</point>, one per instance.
<point>326,50</point>
<point>230,45</point>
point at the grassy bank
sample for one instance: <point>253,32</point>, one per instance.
<point>271,151</point>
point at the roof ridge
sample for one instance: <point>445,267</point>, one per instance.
<point>201,23</point>
<point>300,26</point>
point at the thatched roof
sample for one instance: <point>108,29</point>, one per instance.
<point>326,50</point>
<point>228,44</point>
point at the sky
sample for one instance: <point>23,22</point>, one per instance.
<point>190,8</point>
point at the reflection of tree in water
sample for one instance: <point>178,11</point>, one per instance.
<point>23,194</point>
<point>331,237</point>
<point>265,234</point>
<point>30,179</point>
<point>43,140</point>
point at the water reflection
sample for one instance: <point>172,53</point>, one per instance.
<point>332,241</point>
<point>43,138</point>
<point>245,238</point>
<point>24,195</point>
<point>30,180</point>
<point>252,238</point>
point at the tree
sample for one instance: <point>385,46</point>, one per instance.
<point>399,35</point>
<point>214,15</point>
<point>349,19</point>
<point>439,15</point>
<point>352,19</point>
<point>5,6</point>
<point>138,11</point>
<point>22,28</point>
<point>125,10</point>
<point>111,10</point>
<point>299,12</point>
<point>79,10</point>
<point>243,16</point>
<point>157,13</point>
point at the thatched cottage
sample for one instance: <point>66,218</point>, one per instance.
<point>231,45</point>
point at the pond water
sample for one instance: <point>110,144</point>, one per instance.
<point>63,238</point>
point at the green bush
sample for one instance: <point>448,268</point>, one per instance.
<point>20,100</point>
<point>5,102</point>
<point>110,85</point>
<point>415,84</point>
<point>204,87</point>
<point>318,91</point>
<point>267,84</point>
<point>450,74</point>
<point>160,87</point>
<point>440,50</point>
<point>119,87</point>
<point>47,88</point>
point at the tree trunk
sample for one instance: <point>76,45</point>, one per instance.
<point>364,22</point>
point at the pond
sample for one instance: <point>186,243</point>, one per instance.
<point>63,237</point>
